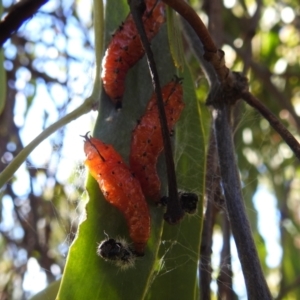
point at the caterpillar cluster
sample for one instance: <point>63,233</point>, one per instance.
<point>124,187</point>
<point>126,191</point>
<point>125,49</point>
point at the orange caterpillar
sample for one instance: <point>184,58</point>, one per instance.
<point>125,49</point>
<point>120,188</point>
<point>147,140</point>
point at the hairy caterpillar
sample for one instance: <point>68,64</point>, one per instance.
<point>125,49</point>
<point>118,252</point>
<point>147,140</point>
<point>120,188</point>
<point>188,201</point>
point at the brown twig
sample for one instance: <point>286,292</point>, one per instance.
<point>212,182</point>
<point>205,268</point>
<point>265,76</point>
<point>213,9</point>
<point>274,122</point>
<point>250,27</point>
<point>224,280</point>
<point>17,15</point>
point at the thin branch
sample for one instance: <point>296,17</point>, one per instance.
<point>9,171</point>
<point>213,9</point>
<point>255,282</point>
<point>213,179</point>
<point>17,15</point>
<point>205,268</point>
<point>174,211</point>
<point>212,182</point>
<point>224,280</point>
<point>274,122</point>
<point>265,75</point>
<point>250,28</point>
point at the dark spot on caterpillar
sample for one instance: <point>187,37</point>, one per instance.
<point>120,28</point>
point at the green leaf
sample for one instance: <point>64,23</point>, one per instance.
<point>87,276</point>
<point>176,275</point>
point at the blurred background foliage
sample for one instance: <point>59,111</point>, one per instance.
<point>48,67</point>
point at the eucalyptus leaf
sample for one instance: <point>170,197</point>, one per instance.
<point>176,276</point>
<point>99,279</point>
